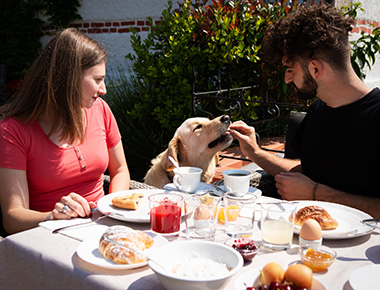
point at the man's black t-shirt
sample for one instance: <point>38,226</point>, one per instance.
<point>339,146</point>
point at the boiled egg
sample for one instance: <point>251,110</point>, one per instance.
<point>202,216</point>
<point>202,213</point>
<point>311,230</point>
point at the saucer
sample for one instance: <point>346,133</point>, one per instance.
<point>202,186</point>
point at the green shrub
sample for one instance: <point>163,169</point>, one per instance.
<point>141,142</point>
<point>201,40</point>
<point>21,29</point>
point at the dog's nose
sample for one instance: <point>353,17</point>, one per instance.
<point>225,119</point>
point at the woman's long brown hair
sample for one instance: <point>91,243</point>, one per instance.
<point>52,86</point>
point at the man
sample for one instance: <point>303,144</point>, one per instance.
<point>340,134</point>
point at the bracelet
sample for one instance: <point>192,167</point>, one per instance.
<point>49,217</point>
<point>315,190</point>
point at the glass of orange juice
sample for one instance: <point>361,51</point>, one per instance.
<point>277,225</point>
<point>239,214</point>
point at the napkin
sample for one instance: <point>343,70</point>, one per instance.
<point>80,232</point>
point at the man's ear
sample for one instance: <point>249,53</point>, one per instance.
<point>315,68</point>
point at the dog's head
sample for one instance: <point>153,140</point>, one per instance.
<point>199,139</point>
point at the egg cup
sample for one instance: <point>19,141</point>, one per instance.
<point>317,258</point>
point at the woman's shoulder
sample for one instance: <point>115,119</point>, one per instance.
<point>101,104</point>
<point>12,123</point>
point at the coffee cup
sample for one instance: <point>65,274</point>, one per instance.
<point>187,179</point>
<point>237,181</point>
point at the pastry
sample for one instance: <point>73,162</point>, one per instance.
<point>317,213</point>
<point>138,241</point>
<point>131,201</point>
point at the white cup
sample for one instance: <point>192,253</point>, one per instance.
<point>187,178</point>
<point>237,181</point>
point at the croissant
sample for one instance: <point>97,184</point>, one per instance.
<point>128,237</point>
<point>317,213</point>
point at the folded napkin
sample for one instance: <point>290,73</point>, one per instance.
<point>80,232</point>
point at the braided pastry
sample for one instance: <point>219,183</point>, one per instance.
<point>128,237</point>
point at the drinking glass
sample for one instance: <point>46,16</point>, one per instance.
<point>277,225</point>
<point>200,217</point>
<point>165,213</point>
<point>239,214</point>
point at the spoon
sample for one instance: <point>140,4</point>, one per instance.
<point>375,223</point>
<point>174,162</point>
<point>137,252</point>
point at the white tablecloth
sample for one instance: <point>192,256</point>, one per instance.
<point>38,259</point>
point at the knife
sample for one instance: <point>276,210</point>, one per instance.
<point>105,214</point>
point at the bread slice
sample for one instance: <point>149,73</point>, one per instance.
<point>131,201</point>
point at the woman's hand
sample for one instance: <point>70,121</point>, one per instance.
<point>72,206</point>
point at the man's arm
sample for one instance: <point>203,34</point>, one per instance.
<point>296,186</point>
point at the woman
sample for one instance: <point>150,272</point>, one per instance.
<point>57,137</point>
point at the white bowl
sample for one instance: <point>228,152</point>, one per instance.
<point>172,254</point>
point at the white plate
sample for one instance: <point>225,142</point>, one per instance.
<point>251,277</point>
<point>140,215</point>
<point>88,251</point>
<point>364,278</point>
<point>349,220</point>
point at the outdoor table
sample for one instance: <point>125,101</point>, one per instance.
<point>38,259</point>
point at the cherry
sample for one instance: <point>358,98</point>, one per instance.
<point>275,286</point>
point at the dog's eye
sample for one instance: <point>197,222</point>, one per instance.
<point>198,127</point>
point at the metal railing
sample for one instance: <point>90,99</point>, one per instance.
<point>234,101</point>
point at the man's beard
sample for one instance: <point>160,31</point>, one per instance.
<point>309,87</point>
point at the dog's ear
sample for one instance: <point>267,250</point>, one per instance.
<point>216,157</point>
<point>175,150</point>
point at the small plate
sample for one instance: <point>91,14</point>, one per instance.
<point>251,277</point>
<point>365,278</point>
<point>140,215</point>
<point>88,251</point>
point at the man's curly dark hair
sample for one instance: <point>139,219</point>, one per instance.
<point>310,31</point>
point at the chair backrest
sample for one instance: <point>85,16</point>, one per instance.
<point>295,119</point>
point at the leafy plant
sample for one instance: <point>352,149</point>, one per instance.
<point>21,29</point>
<point>366,47</point>
<point>140,141</point>
<point>194,44</point>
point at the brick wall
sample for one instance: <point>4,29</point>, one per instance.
<point>365,26</point>
<point>110,26</point>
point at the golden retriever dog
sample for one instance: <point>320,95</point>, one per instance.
<point>195,143</point>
